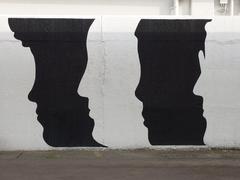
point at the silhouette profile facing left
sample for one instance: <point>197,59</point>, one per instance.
<point>168,52</point>
<point>60,53</point>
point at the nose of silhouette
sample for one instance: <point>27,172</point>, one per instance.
<point>32,96</point>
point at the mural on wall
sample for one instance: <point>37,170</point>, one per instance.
<point>60,54</point>
<point>168,53</point>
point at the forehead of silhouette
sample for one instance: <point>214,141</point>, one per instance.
<point>40,29</point>
<point>167,29</point>
<point>59,50</point>
<point>168,53</point>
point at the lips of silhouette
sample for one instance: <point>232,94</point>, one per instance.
<point>61,113</point>
<point>43,115</point>
<point>45,112</point>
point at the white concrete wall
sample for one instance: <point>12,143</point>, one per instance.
<point>114,7</point>
<point>219,83</point>
<point>236,7</point>
<point>83,7</point>
<point>112,74</point>
<point>185,7</point>
<point>202,8</point>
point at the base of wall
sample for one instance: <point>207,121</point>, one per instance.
<point>155,148</point>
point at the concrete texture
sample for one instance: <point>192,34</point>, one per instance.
<point>124,165</point>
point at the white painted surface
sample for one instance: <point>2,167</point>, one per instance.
<point>219,83</point>
<point>83,7</point>
<point>19,128</point>
<point>110,80</point>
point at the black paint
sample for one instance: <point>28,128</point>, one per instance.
<point>168,52</point>
<point>60,53</point>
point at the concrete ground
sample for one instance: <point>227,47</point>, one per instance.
<point>121,165</point>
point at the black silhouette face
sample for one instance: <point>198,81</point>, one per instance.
<point>58,74</point>
<point>60,54</point>
<point>168,52</point>
<point>55,89</point>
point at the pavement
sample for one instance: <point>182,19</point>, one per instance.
<point>143,164</point>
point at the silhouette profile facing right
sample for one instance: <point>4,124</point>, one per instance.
<point>60,53</point>
<point>168,52</point>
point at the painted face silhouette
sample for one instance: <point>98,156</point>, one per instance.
<point>118,109</point>
<point>60,54</point>
<point>168,52</point>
